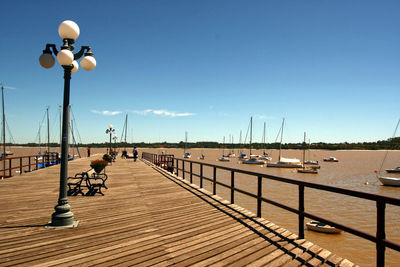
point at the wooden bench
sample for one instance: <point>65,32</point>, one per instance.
<point>95,182</point>
<point>75,184</point>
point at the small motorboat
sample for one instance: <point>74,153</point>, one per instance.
<point>322,227</point>
<point>311,162</point>
<point>312,170</point>
<point>389,181</point>
<point>395,170</point>
<point>202,156</point>
<point>253,160</point>
<point>331,159</point>
<point>187,155</point>
<point>242,156</point>
<point>224,158</point>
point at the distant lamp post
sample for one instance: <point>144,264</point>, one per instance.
<point>69,32</point>
<point>115,142</point>
<point>110,131</point>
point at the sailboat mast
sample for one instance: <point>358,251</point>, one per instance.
<point>240,143</point>
<point>264,140</point>
<point>4,133</point>
<point>223,147</point>
<point>304,147</point>
<point>126,127</point>
<point>4,127</point>
<point>280,143</point>
<point>48,130</point>
<point>184,148</point>
<point>40,146</point>
<point>251,132</point>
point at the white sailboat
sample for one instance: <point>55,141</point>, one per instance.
<point>264,156</point>
<point>308,169</point>
<point>241,154</point>
<point>388,180</point>
<point>253,158</point>
<point>223,157</point>
<point>186,155</point>
<point>284,162</point>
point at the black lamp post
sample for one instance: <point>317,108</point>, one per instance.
<point>110,131</point>
<point>68,31</point>
<point>115,142</point>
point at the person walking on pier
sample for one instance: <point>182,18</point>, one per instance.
<point>88,151</point>
<point>135,153</point>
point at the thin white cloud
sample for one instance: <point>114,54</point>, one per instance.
<point>162,112</point>
<point>264,117</point>
<point>106,112</point>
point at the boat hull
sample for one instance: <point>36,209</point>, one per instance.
<point>389,181</point>
<point>312,171</point>
<point>283,165</point>
<point>322,228</point>
<point>397,170</point>
<point>253,162</point>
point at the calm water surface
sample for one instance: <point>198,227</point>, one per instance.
<point>355,171</point>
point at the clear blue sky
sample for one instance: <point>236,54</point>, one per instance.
<point>331,68</point>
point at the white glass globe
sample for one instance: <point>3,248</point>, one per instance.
<point>68,30</point>
<point>110,126</point>
<point>46,60</point>
<point>76,66</point>
<point>65,57</point>
<point>88,63</point>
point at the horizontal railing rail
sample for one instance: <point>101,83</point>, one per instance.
<point>26,163</point>
<point>381,201</point>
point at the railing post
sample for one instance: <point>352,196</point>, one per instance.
<point>215,181</point>
<point>177,167</point>
<point>183,169</point>
<point>380,233</point>
<point>191,172</point>
<point>10,169</point>
<point>36,163</point>
<point>29,164</point>
<point>201,175</point>
<point>232,187</point>
<point>20,166</point>
<point>301,209</point>
<point>259,195</point>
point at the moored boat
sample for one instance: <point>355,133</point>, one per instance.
<point>395,170</point>
<point>311,170</point>
<point>322,227</point>
<point>331,159</point>
<point>224,158</point>
<point>253,160</point>
<point>389,181</point>
<point>286,163</point>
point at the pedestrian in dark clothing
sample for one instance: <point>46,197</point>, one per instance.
<point>88,151</point>
<point>135,154</point>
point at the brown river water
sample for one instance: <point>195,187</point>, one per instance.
<point>355,171</point>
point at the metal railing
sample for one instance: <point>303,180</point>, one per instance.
<point>26,163</point>
<point>381,201</point>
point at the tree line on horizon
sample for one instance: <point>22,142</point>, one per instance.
<point>389,144</point>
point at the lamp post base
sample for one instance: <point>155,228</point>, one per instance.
<point>63,217</point>
<point>73,225</point>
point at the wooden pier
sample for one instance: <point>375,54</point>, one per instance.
<point>146,217</point>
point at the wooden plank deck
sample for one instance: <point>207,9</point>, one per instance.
<point>147,217</point>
